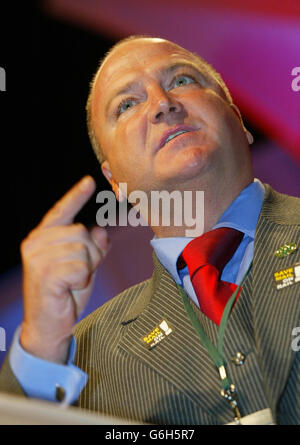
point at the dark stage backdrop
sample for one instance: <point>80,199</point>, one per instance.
<point>45,148</point>
<point>49,65</point>
<point>49,62</point>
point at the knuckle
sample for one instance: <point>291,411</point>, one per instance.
<point>30,242</point>
<point>31,234</point>
<point>26,245</point>
<point>79,229</point>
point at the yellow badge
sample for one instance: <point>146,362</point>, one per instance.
<point>287,277</point>
<point>158,334</point>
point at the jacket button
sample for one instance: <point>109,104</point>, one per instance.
<point>238,359</point>
<point>60,393</point>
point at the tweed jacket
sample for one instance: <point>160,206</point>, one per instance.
<point>176,382</point>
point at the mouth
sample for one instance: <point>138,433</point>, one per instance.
<point>173,133</point>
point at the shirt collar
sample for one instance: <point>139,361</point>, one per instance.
<point>244,211</point>
<point>242,215</point>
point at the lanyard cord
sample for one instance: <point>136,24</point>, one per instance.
<point>216,353</point>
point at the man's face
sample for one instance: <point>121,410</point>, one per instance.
<point>162,121</point>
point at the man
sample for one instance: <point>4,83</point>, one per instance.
<point>160,118</point>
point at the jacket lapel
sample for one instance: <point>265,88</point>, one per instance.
<point>179,357</point>
<point>275,312</point>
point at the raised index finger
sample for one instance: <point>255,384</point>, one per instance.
<point>65,210</point>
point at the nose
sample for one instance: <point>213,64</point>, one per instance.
<point>163,106</point>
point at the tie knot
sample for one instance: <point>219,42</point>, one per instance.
<point>215,247</point>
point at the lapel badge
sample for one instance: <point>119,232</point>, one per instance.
<point>158,334</point>
<point>287,277</point>
<point>286,250</point>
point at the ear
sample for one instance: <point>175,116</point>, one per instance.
<point>238,113</point>
<point>106,170</point>
<point>249,137</point>
<point>105,167</point>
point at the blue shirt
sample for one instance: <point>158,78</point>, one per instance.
<point>39,378</point>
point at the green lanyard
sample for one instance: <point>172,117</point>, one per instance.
<point>216,353</point>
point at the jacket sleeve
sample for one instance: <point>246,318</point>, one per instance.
<point>8,381</point>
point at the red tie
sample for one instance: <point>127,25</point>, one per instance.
<point>206,257</point>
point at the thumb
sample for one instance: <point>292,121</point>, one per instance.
<point>101,239</point>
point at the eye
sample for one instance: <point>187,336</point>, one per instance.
<point>125,105</point>
<point>182,80</point>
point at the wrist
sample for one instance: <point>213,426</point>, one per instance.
<point>56,351</point>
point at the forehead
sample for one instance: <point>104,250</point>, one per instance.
<point>133,59</point>
<point>143,54</point>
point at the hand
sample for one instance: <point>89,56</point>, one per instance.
<point>59,260</point>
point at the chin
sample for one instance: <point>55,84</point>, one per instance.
<point>185,165</point>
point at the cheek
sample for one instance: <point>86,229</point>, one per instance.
<point>128,141</point>
<point>130,138</point>
<point>130,133</point>
<point>214,112</point>
<point>198,106</point>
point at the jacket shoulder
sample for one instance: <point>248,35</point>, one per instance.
<point>281,208</point>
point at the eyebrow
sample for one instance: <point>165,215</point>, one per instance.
<point>168,70</point>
